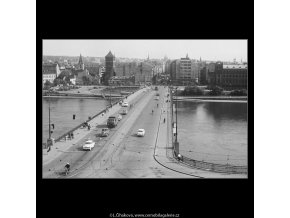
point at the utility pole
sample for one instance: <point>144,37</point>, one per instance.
<point>49,117</point>
<point>176,113</point>
<point>110,97</point>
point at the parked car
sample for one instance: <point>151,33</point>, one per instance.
<point>125,104</point>
<point>105,132</point>
<point>141,132</point>
<point>89,145</point>
<point>120,117</point>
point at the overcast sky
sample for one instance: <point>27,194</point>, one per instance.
<point>223,50</point>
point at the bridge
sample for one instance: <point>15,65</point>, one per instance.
<point>123,154</point>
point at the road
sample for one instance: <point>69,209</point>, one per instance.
<point>122,154</point>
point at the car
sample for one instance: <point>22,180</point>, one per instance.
<point>125,104</point>
<point>105,132</point>
<point>120,117</point>
<point>89,145</point>
<point>124,111</point>
<point>141,132</point>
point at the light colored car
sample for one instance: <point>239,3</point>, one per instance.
<point>124,111</point>
<point>125,104</point>
<point>89,145</point>
<point>105,132</point>
<point>141,132</point>
<point>120,117</point>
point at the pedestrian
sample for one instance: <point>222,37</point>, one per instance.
<point>89,126</point>
<point>72,135</point>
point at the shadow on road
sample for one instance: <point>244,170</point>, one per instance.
<point>101,126</point>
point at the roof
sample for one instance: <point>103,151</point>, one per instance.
<point>235,66</point>
<point>110,54</point>
<point>49,68</point>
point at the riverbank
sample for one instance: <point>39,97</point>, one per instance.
<point>69,95</point>
<point>244,98</point>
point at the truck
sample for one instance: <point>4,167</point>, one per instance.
<point>112,121</point>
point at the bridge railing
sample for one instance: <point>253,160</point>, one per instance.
<point>90,118</point>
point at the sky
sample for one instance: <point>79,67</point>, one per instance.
<point>223,50</point>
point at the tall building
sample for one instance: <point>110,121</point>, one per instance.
<point>183,71</point>
<point>109,63</point>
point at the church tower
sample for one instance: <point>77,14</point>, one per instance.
<point>81,64</point>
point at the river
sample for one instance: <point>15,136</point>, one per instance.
<point>213,131</point>
<point>62,110</point>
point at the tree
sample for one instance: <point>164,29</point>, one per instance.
<point>58,81</point>
<point>47,83</point>
<point>192,90</point>
<point>65,73</point>
<point>215,91</point>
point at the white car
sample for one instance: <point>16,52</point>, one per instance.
<point>125,104</point>
<point>89,145</point>
<point>141,132</point>
<point>120,117</point>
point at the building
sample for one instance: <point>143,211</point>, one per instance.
<point>80,65</point>
<point>109,63</point>
<point>50,72</point>
<point>73,79</point>
<point>122,80</point>
<point>143,73</point>
<point>81,74</point>
<point>229,76</point>
<point>203,76</point>
<point>184,71</point>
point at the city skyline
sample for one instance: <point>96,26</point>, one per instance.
<point>215,50</point>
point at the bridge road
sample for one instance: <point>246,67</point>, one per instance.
<point>129,156</point>
<point>71,150</point>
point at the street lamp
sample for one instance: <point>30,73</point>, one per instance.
<point>49,140</point>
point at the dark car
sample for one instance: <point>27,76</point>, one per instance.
<point>105,132</point>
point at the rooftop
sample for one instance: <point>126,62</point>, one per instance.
<point>235,66</point>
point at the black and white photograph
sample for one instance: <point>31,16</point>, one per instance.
<point>145,109</point>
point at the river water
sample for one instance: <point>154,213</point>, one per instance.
<point>214,132</point>
<point>62,110</point>
<point>211,131</point>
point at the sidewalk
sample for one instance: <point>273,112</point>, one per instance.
<point>62,146</point>
<point>164,152</point>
